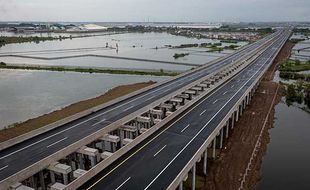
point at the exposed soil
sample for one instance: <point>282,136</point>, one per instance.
<point>70,110</point>
<point>226,172</point>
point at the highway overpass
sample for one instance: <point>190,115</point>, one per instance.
<point>150,139</point>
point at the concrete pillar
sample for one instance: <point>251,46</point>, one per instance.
<point>194,177</point>
<point>42,182</point>
<point>233,121</point>
<point>92,160</point>
<point>214,143</point>
<point>221,138</point>
<point>205,162</point>
<point>53,179</point>
<point>65,177</point>
<point>227,128</point>
<point>81,161</point>
<point>181,185</point>
<point>237,115</point>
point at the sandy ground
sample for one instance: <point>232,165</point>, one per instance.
<point>46,119</point>
<point>225,173</point>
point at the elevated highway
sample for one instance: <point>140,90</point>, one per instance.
<point>209,92</point>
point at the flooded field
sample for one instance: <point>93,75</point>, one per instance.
<point>152,46</point>
<point>28,94</point>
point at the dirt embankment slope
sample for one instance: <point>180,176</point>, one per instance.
<point>70,110</point>
<point>226,172</point>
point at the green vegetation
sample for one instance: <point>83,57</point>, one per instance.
<point>295,66</point>
<point>90,70</point>
<point>299,92</point>
<point>230,41</point>
<point>20,39</point>
<point>186,46</point>
<point>179,55</point>
<point>215,49</point>
<point>295,41</point>
<point>290,68</point>
<point>232,47</point>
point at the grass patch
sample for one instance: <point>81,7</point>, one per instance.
<point>179,55</point>
<point>91,70</point>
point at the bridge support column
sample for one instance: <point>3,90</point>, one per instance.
<point>227,129</point>
<point>233,121</point>
<point>194,177</point>
<point>42,182</point>
<point>205,162</point>
<point>237,115</point>
<point>221,138</point>
<point>181,185</point>
<point>214,144</point>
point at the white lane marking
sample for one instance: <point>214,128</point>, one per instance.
<point>225,93</point>
<point>128,108</point>
<point>99,122</point>
<point>56,142</point>
<point>202,112</point>
<point>166,90</point>
<point>232,86</point>
<point>160,150</point>
<point>150,97</point>
<point>4,167</point>
<point>202,129</point>
<point>185,78</point>
<point>215,101</point>
<point>185,128</point>
<point>123,183</point>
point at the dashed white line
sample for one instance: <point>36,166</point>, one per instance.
<point>232,86</point>
<point>56,142</point>
<point>99,122</point>
<point>128,108</point>
<point>225,93</point>
<point>185,128</point>
<point>215,101</point>
<point>150,97</point>
<point>202,112</point>
<point>123,183</point>
<point>160,150</point>
<point>4,167</point>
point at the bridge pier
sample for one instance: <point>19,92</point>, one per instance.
<point>205,162</point>
<point>19,186</point>
<point>194,177</point>
<point>59,169</point>
<point>91,153</point>
<point>110,142</point>
<point>227,128</point>
<point>213,145</point>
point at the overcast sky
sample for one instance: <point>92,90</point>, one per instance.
<point>155,10</point>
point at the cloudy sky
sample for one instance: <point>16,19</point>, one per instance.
<point>155,10</point>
